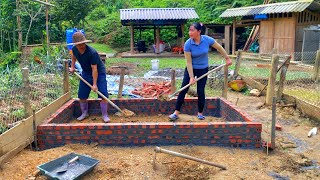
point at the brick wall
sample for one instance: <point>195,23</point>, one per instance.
<point>243,133</point>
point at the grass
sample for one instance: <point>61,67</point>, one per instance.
<point>101,48</point>
<point>310,95</point>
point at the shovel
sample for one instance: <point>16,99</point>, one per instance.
<point>125,112</point>
<point>65,166</point>
<point>168,98</point>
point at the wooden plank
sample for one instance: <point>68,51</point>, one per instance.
<point>266,37</point>
<point>15,151</point>
<point>272,79</point>
<point>24,131</point>
<point>45,112</point>
<point>308,109</point>
<point>252,83</point>
<point>15,136</point>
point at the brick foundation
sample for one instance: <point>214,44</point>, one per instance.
<point>239,131</point>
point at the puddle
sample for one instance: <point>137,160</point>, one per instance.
<point>302,146</point>
<point>278,176</point>
<point>313,166</point>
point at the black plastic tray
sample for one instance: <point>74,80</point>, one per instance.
<point>82,166</point>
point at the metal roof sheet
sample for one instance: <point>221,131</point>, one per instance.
<point>158,14</point>
<point>285,7</point>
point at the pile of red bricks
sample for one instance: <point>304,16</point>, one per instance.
<point>153,90</point>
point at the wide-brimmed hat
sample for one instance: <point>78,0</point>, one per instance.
<point>78,38</point>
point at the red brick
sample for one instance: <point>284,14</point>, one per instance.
<point>103,132</point>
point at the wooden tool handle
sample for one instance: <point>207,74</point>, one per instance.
<point>73,159</point>
<point>103,96</point>
<point>160,150</point>
<point>197,79</point>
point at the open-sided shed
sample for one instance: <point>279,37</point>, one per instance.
<point>281,24</point>
<point>155,18</point>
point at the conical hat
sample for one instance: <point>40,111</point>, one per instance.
<point>78,38</point>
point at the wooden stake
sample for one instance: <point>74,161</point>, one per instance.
<point>122,72</point>
<point>65,76</point>
<point>272,79</point>
<point>316,67</point>
<point>225,80</point>
<point>273,125</point>
<point>283,76</point>
<point>26,92</point>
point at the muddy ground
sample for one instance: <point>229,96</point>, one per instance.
<point>295,157</point>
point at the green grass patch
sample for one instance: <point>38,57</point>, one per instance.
<point>102,48</point>
<point>309,95</point>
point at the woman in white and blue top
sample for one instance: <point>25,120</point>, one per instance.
<point>196,52</point>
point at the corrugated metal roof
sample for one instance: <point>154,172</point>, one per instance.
<point>285,7</point>
<point>158,13</point>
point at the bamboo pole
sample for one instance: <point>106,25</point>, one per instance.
<point>160,150</point>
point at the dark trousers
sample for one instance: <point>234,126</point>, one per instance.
<point>200,88</point>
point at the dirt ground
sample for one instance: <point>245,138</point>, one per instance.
<point>295,157</point>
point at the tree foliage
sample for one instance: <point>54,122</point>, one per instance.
<point>99,18</point>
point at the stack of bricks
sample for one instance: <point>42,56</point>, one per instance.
<point>153,90</point>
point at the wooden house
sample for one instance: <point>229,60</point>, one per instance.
<point>281,24</point>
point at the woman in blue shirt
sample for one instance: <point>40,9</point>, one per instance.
<point>196,51</point>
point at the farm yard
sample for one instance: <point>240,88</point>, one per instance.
<point>261,113</point>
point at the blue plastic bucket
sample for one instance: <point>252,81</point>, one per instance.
<point>69,33</point>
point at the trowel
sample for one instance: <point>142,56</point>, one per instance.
<point>65,166</point>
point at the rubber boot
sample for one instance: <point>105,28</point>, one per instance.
<point>104,111</point>
<point>84,111</point>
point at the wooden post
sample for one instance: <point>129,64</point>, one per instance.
<point>225,82</point>
<point>272,79</point>
<point>273,125</point>
<point>238,62</point>
<point>65,76</point>
<point>283,77</point>
<point>182,38</point>
<point>157,40</point>
<point>122,72</point>
<point>173,81</point>
<point>227,38</point>
<point>131,39</point>
<point>234,36</point>
<point>316,68</point>
<point>34,120</point>
<point>26,92</point>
